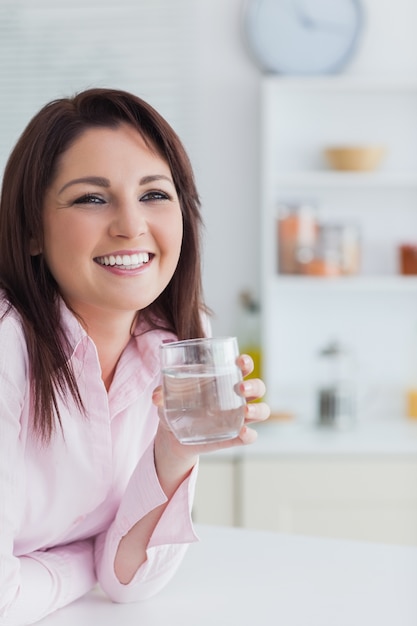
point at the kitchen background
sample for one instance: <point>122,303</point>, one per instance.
<point>257,144</point>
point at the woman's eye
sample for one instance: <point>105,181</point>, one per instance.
<point>154,195</point>
<point>89,198</point>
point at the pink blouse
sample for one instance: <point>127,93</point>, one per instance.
<point>64,507</point>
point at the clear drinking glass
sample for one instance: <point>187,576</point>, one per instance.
<point>200,381</point>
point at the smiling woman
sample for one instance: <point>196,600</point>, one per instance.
<point>99,264</point>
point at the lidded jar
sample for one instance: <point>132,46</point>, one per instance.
<point>297,236</point>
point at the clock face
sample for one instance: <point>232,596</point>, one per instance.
<point>303,36</point>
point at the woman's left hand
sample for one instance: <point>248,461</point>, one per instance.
<point>255,412</point>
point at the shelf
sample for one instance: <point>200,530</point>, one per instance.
<point>348,283</point>
<point>352,83</point>
<point>356,180</point>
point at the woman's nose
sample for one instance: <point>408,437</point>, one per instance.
<point>129,221</point>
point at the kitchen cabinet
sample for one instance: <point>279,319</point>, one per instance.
<point>359,485</point>
<point>217,493</point>
<point>374,313</point>
<point>371,499</point>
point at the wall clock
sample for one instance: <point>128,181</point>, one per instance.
<point>303,36</point>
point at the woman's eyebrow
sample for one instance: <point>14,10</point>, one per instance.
<point>91,180</point>
<point>154,177</point>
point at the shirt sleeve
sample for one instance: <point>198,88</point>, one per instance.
<point>33,585</point>
<point>168,543</point>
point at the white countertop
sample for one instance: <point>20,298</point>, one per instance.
<point>236,577</point>
<point>394,437</point>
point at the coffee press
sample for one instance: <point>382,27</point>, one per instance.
<point>335,396</point>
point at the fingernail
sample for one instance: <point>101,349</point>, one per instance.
<point>246,359</point>
<point>156,395</point>
<point>246,387</point>
<point>250,411</point>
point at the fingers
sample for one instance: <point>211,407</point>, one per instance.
<point>257,412</point>
<point>157,397</point>
<point>158,400</point>
<point>245,362</point>
<point>247,436</point>
<point>252,389</point>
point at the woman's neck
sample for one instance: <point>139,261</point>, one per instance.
<point>110,334</point>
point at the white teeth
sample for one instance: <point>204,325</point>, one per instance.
<point>126,260</point>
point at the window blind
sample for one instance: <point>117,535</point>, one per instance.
<point>53,48</point>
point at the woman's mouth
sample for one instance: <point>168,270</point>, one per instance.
<point>125,261</point>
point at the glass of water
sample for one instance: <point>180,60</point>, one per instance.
<point>200,381</point>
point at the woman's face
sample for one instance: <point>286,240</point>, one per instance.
<point>112,224</point>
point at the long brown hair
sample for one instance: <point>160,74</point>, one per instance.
<point>26,279</point>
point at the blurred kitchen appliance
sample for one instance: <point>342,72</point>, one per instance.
<point>336,394</point>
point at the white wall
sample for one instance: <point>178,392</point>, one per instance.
<point>225,156</point>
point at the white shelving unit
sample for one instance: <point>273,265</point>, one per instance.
<point>359,284</point>
<point>338,180</point>
<point>374,313</point>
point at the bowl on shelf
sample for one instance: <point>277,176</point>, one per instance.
<point>356,158</point>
